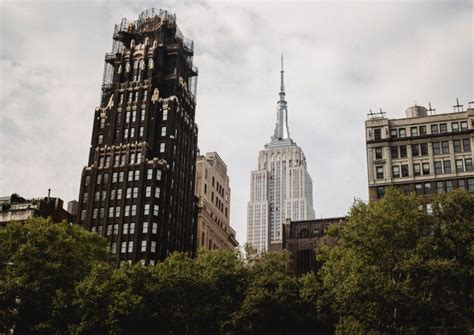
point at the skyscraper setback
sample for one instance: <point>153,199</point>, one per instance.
<point>281,187</point>
<point>138,187</point>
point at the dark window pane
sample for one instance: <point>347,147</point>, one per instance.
<point>394,152</point>
<point>424,149</point>
<point>405,171</point>
<point>415,150</point>
<point>403,151</point>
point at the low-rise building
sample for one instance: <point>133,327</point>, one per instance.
<point>213,191</point>
<point>16,208</point>
<point>423,152</point>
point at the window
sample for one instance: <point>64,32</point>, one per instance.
<point>427,188</point>
<point>142,114</point>
<point>403,151</point>
<point>419,188</point>
<point>123,247</point>
<point>142,131</point>
<point>143,248</point>
<point>127,117</point>
<point>157,192</point>
<point>149,174</point>
<point>129,193</point>
<point>125,229</point>
<point>405,171</point>
<point>145,228</point>
<point>378,172</point>
<point>380,192</point>
<point>429,209</point>
<point>134,116</point>
<point>165,115</point>
<point>153,247</point>
<point>440,186</point>
<point>85,198</point>
<point>443,128</point>
<point>132,132</point>
<point>163,131</point>
<point>377,134</point>
<point>459,165</point>
<point>401,132</point>
<point>131,229</point>
<point>127,211</point>
<point>466,145</point>
<point>378,153</point>
<point>457,146</point>
<point>146,209</point>
<point>137,174</point>
<point>117,212</point>
<point>454,126</point>
<point>122,159</point>
<point>426,168</point>
<point>109,230</point>
<point>447,166</point>
<point>449,186</point>
<point>394,152</point>
<point>102,123</point>
<point>162,147</point>
<point>100,139</point>
<point>87,181</point>
<point>158,174</point>
<point>154,228</point>
<point>438,167</point>
<point>422,130</point>
<point>134,210</point>
<point>424,149</point>
<point>130,246</point>
<point>113,248</point>
<point>155,210</point>
<point>101,213</point>
<point>414,131</point>
<point>415,150</point>
<point>135,192</point>
<point>393,133</point>
<point>111,212</point>
<point>95,211</point>
<point>434,129</point>
<point>119,194</point>
<point>436,148</point>
<point>468,163</point>
<point>112,194</point>
<point>396,171</point>
<point>470,184</point>
<point>416,170</point>
<point>461,184</point>
<point>445,147</point>
<point>148,191</point>
<point>464,125</point>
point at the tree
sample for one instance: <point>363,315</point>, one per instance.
<point>40,264</point>
<point>396,269</point>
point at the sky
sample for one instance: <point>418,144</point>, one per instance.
<point>342,58</point>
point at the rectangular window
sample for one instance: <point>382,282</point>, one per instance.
<point>130,175</point>
<point>112,194</point>
<point>379,172</point>
<point>142,131</point>
<point>134,210</point>
<point>127,117</point>
<point>470,184</point>
<point>122,159</point>
<point>157,192</point>
<point>155,210</point>
<point>459,165</point>
<point>111,212</point>
<point>143,248</point>
<point>117,212</point>
<point>109,230</point>
<point>457,146</point>
<point>443,128</point>
<point>101,213</point>
<point>137,174</point>
<point>130,246</point>
<point>153,246</point>
<point>464,125</point>
<point>129,193</point>
<point>445,147</point>
<point>447,166</point>
<point>416,170</point>
<point>162,147</point>
<point>146,209</point>
<point>461,184</point>
<point>158,174</point>
<point>454,126</point>
<point>436,148</point>
<point>154,228</point>
<point>419,188</point>
<point>100,139</point>
<point>424,149</point>
<point>145,228</point>
<point>393,133</point>
<point>123,247</point>
<point>466,145</point>
<point>163,131</point>
<point>132,132</point>
<point>127,211</point>
<point>414,131</point>
<point>97,195</point>
<point>116,160</point>
<point>165,115</point>
<point>113,248</point>
<point>135,192</point>
<point>415,150</point>
<point>401,132</point>
<point>114,177</point>
<point>394,152</point>
<point>149,174</point>
<point>95,212</point>
<point>434,129</point>
<point>380,194</point>
<point>85,198</point>
<point>396,171</point>
<point>125,133</point>
<point>449,186</point>
<point>440,186</point>
<point>427,188</point>
<point>426,168</point>
<point>422,130</point>
<point>148,191</point>
<point>468,163</point>
<point>131,229</point>
<point>125,229</point>
<point>403,151</point>
<point>142,115</point>
<point>119,194</point>
<point>438,166</point>
<point>134,116</point>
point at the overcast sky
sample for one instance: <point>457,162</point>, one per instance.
<point>341,59</point>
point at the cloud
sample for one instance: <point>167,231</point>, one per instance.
<point>341,59</point>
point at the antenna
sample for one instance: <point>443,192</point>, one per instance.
<point>432,110</point>
<point>458,107</point>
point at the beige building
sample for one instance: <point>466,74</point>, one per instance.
<point>423,152</point>
<point>213,191</point>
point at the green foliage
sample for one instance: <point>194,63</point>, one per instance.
<point>395,269</point>
<point>40,265</point>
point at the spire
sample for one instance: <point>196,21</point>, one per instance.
<point>282,131</point>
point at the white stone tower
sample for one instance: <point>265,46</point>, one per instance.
<point>281,187</point>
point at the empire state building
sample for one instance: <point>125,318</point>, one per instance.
<point>281,187</point>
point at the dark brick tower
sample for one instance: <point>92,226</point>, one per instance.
<point>138,187</point>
